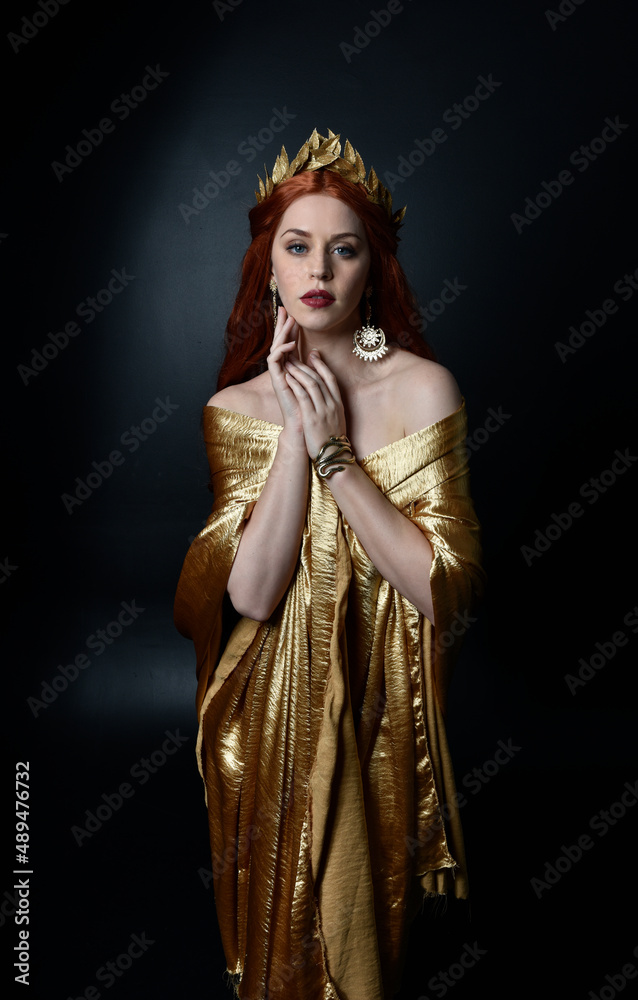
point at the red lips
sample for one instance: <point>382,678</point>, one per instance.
<point>317,298</point>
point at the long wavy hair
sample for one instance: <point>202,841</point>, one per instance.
<point>251,324</point>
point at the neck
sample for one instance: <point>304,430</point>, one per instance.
<point>335,349</point>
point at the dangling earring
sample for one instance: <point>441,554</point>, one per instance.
<point>273,289</point>
<point>369,341</point>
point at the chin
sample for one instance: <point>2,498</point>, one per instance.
<point>318,322</point>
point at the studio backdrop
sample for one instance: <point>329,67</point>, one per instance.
<point>134,134</point>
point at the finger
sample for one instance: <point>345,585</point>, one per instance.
<point>287,348</point>
<point>311,381</point>
<point>327,375</point>
<point>300,394</point>
<point>285,330</point>
<point>304,394</point>
<point>283,338</point>
<point>310,372</point>
<point>293,332</point>
<point>283,324</point>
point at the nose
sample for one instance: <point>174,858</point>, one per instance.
<point>320,266</point>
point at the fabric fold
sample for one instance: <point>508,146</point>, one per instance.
<point>322,737</point>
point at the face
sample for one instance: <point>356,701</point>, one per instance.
<point>321,247</point>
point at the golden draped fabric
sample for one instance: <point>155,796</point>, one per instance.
<point>322,742</point>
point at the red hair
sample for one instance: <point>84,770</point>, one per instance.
<point>250,327</point>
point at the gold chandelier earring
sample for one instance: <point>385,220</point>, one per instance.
<point>369,341</point>
<point>273,291</point>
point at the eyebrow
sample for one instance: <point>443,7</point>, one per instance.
<point>337,236</point>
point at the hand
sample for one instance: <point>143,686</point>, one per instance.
<point>284,344</point>
<point>317,394</point>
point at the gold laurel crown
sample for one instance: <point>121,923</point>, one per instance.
<point>325,153</point>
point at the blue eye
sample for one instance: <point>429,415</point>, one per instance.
<point>294,247</point>
<point>347,251</point>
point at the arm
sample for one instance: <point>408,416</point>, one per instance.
<point>396,546</point>
<point>269,548</point>
<point>271,539</point>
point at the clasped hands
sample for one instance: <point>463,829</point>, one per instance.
<point>308,394</point>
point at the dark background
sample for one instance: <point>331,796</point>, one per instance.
<point>230,68</point>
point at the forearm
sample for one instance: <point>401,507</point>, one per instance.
<point>396,546</point>
<point>269,547</point>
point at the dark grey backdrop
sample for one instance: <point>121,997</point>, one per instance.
<point>221,74</point>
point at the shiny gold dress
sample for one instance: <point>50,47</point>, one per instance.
<point>322,745</point>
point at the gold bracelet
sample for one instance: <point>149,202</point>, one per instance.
<point>323,464</point>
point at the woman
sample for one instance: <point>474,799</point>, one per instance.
<point>342,546</point>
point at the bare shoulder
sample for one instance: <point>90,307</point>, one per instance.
<point>230,398</point>
<point>428,392</point>
<point>250,398</point>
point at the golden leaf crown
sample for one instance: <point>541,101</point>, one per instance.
<point>321,153</point>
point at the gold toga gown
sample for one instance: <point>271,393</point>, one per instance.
<point>322,746</point>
